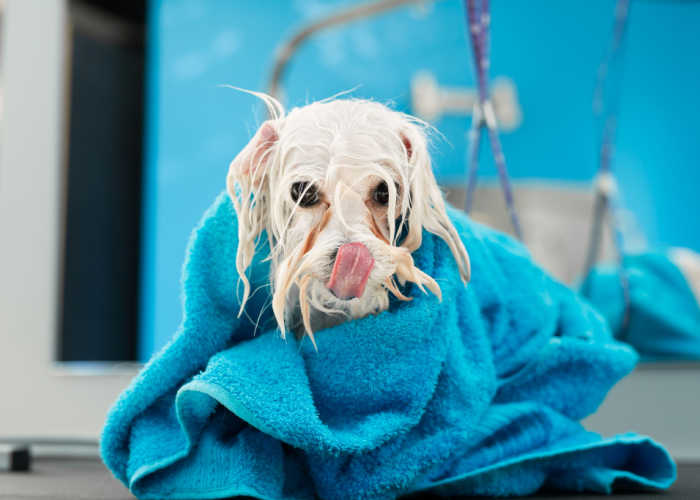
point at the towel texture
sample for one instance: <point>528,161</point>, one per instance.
<point>478,394</point>
<point>663,321</point>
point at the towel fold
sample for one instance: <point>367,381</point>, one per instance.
<point>479,394</point>
<point>662,313</point>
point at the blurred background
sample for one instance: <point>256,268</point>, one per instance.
<point>117,132</point>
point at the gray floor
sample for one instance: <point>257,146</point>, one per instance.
<point>75,479</point>
<point>69,479</point>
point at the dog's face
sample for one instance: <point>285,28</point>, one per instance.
<point>343,189</point>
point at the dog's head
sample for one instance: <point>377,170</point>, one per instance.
<point>343,190</point>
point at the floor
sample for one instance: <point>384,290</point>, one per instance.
<point>78,479</point>
<point>63,479</point>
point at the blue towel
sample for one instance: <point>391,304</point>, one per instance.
<point>479,394</point>
<point>663,315</point>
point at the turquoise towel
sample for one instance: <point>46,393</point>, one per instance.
<point>480,394</point>
<point>663,315</point>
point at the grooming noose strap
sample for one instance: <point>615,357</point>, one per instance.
<point>478,27</point>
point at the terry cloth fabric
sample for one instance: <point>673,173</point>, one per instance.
<point>479,394</point>
<point>663,316</point>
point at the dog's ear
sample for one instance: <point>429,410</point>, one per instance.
<point>427,206</point>
<point>247,186</point>
<point>249,165</point>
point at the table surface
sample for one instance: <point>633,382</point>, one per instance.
<point>87,478</point>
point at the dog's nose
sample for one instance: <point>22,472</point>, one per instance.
<point>353,264</point>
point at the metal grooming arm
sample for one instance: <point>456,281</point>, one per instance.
<point>345,16</point>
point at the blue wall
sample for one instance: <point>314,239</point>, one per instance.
<point>550,49</point>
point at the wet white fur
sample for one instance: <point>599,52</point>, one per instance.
<point>345,147</point>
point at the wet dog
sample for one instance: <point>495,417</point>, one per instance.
<point>342,189</point>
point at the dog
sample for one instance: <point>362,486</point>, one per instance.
<point>342,189</point>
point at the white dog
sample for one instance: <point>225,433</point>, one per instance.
<point>343,190</point>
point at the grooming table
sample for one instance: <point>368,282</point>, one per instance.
<point>87,478</point>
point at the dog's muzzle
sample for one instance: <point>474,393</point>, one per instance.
<point>351,269</point>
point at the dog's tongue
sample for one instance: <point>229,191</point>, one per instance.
<point>350,271</point>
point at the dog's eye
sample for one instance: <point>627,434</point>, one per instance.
<point>305,193</point>
<point>381,193</point>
